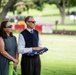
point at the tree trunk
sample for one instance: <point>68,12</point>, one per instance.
<point>62,18</point>
<point>0,3</point>
<point>62,11</point>
<point>6,9</point>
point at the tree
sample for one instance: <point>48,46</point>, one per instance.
<point>29,4</point>
<point>60,5</point>
<point>38,4</point>
<point>69,4</point>
<point>19,7</point>
<point>12,5</point>
<point>8,5</point>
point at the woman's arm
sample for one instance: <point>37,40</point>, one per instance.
<point>17,54</point>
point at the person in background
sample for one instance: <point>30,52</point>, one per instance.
<point>8,48</point>
<point>28,41</point>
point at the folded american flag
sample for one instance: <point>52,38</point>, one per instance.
<point>36,52</point>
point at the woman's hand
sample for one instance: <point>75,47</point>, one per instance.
<point>16,61</point>
<point>15,65</point>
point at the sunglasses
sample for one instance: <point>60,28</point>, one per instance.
<point>32,21</point>
<point>10,26</point>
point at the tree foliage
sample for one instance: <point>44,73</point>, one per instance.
<point>70,3</point>
<point>39,4</point>
<point>25,5</point>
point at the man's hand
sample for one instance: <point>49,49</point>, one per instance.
<point>37,48</point>
<point>41,52</point>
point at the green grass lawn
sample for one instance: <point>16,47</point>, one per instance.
<point>55,18</point>
<point>65,27</point>
<point>60,59</point>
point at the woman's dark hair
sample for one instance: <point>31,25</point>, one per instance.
<point>2,32</point>
<point>27,18</point>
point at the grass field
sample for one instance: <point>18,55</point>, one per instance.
<point>65,27</point>
<point>61,56</point>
